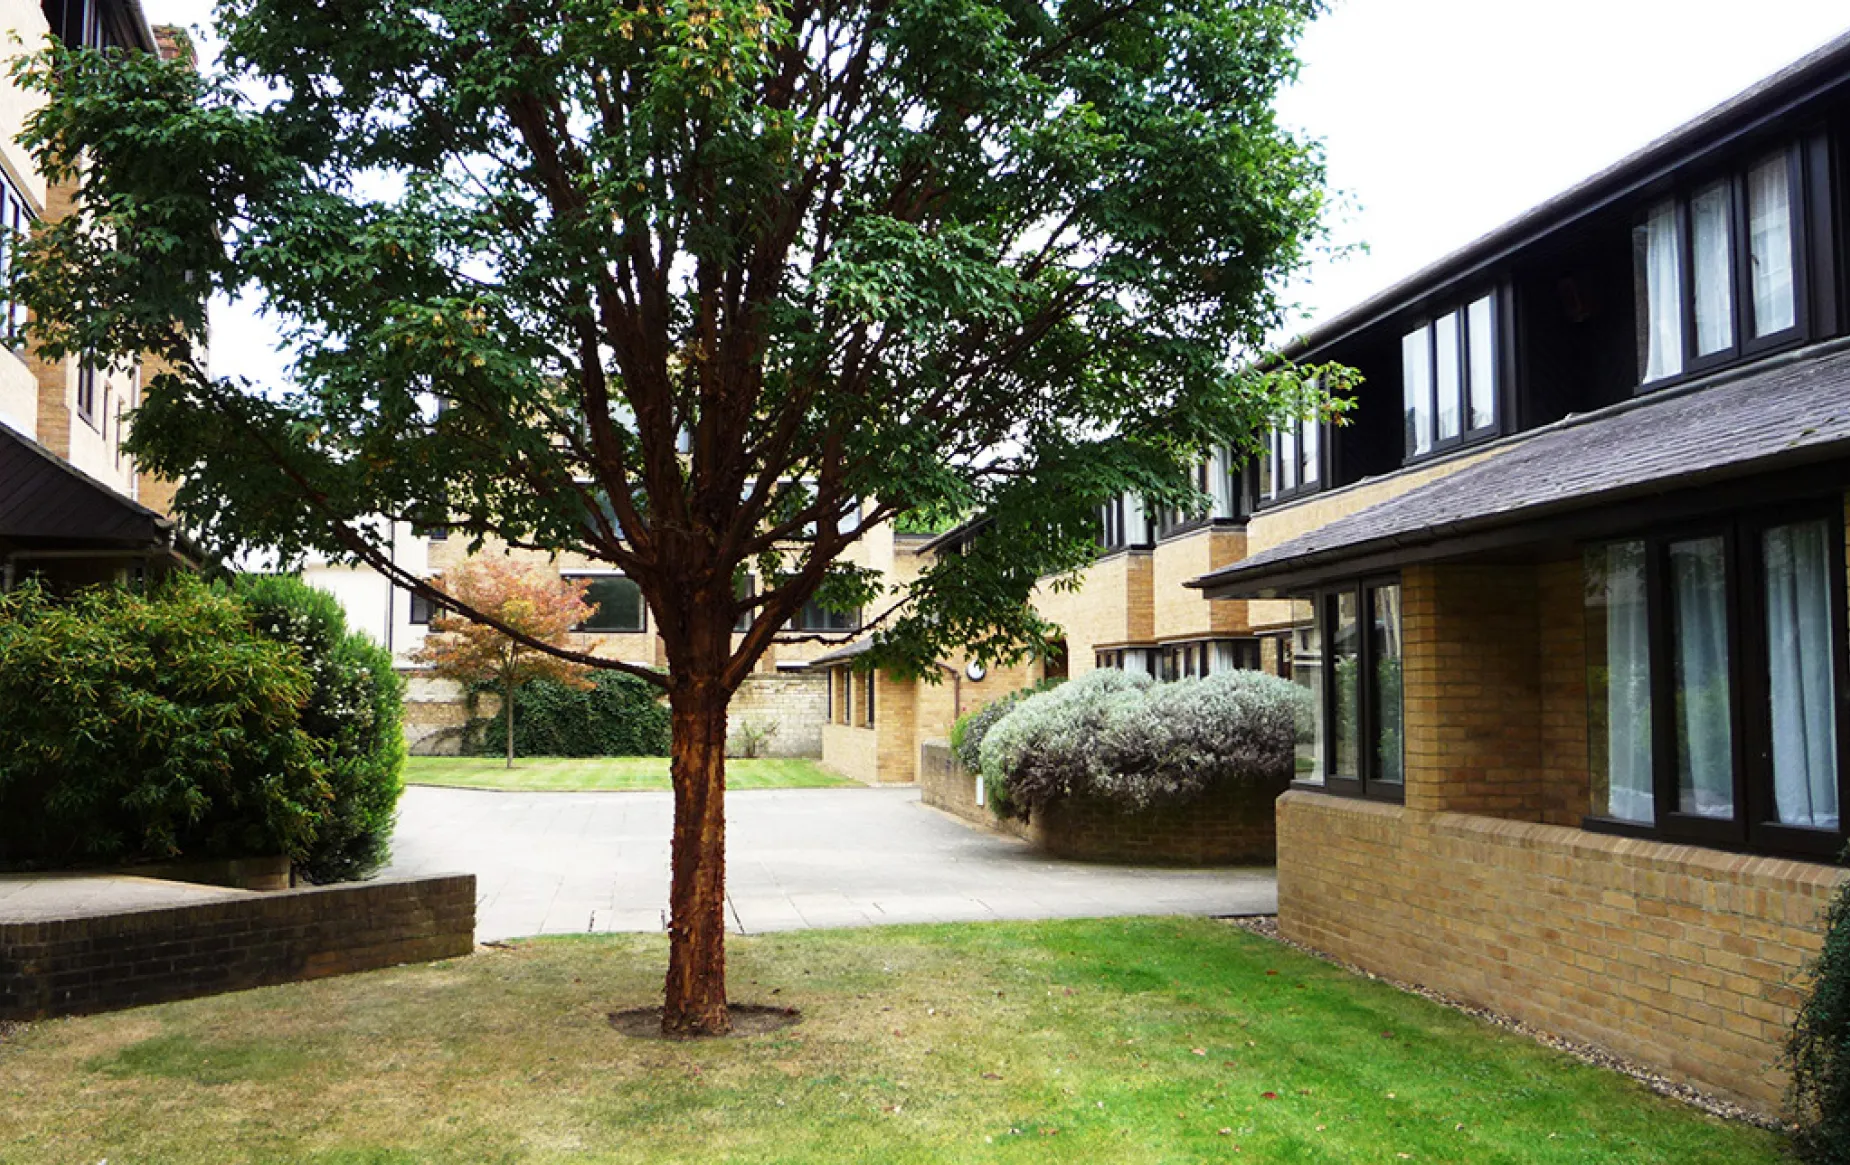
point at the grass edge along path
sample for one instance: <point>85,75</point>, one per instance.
<point>609,774</point>
<point>1121,1040</point>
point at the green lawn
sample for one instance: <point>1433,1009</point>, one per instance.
<point>1151,1040</point>
<point>557,774</point>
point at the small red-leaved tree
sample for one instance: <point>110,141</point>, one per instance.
<point>538,604</point>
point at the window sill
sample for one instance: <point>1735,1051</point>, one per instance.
<point>1802,845</point>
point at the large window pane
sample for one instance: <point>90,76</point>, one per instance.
<point>1710,235</point>
<point>1309,451</point>
<point>1800,684</point>
<point>1307,673</point>
<point>1449,392</point>
<point>1287,459</point>
<point>1345,658</point>
<point>1769,225</point>
<point>1704,725</point>
<point>1658,278</point>
<point>1482,343</point>
<point>1619,682</point>
<point>1416,389</point>
<point>1385,650</point>
<point>616,605</point>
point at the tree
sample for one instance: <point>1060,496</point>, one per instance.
<point>530,614</point>
<point>703,285</point>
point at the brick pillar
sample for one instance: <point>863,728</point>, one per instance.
<point>1473,690</point>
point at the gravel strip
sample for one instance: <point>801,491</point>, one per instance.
<point>1266,926</point>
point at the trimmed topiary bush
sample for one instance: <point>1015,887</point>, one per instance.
<point>968,733</point>
<point>618,715</point>
<point>148,727</point>
<point>355,713</point>
<point>1818,1051</point>
<point>1122,739</point>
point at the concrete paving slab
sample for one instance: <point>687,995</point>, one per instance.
<point>561,863</point>
<point>45,897</point>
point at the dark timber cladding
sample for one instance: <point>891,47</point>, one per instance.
<point>1579,474</point>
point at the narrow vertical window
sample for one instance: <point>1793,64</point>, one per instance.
<point>1385,651</point>
<point>1619,682</point>
<point>1769,227</point>
<point>1448,390</point>
<point>1309,451</point>
<point>1801,686</point>
<point>1288,459</point>
<point>1416,389</point>
<point>1346,659</point>
<point>1481,340</point>
<point>1704,724</point>
<point>1711,240</point>
<point>1306,671</point>
<point>1658,277</point>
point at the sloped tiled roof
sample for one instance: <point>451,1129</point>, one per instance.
<point>1784,412</point>
<point>844,654</point>
<point>44,499</point>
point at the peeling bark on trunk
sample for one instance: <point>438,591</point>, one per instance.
<point>695,1001</point>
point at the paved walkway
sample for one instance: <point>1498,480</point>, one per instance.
<point>561,863</point>
<point>40,897</point>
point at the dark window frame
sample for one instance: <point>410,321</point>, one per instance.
<point>16,219</point>
<point>1754,827</point>
<point>1366,783</point>
<point>421,610</point>
<point>1460,306</point>
<point>810,614</point>
<point>642,604</point>
<point>1267,492</point>
<point>86,396</point>
<point>1740,260</point>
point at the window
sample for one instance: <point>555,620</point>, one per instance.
<point>1715,273</point>
<point>421,610</point>
<point>1714,663</point>
<point>744,587</point>
<point>814,618</point>
<point>1350,659</point>
<point>86,393</point>
<point>867,693</point>
<point>1141,660</point>
<point>1294,461</point>
<point>1449,378</point>
<point>1122,523</point>
<point>616,604</point>
<point>15,224</point>
<point>1207,657</point>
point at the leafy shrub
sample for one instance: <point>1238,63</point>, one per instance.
<point>968,733</point>
<point>145,727</point>
<point>618,715</point>
<point>1120,738</point>
<point>354,713</point>
<point>751,737</point>
<point>1818,1051</point>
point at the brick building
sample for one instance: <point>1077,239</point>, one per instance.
<point>74,507</point>
<point>1568,588</point>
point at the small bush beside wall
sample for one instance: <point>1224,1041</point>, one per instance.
<point>354,712</point>
<point>1819,1050</point>
<point>618,715</point>
<point>1119,738</point>
<point>968,733</point>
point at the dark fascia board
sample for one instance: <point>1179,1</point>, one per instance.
<point>1756,108</point>
<point>138,26</point>
<point>1590,517</point>
<point>854,650</point>
<point>956,536</point>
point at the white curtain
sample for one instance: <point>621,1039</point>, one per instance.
<point>1660,282</point>
<point>1801,687</point>
<point>1628,685</point>
<point>1705,732</point>
<point>1710,232</point>
<point>1481,326</point>
<point>1416,389</point>
<point>1449,391</point>
<point>1769,207</point>
<point>1312,454</point>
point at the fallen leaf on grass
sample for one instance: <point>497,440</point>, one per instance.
<point>992,1076</point>
<point>1268,1096</point>
<point>1199,1051</point>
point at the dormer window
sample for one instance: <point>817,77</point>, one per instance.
<point>1715,272</point>
<point>1449,378</point>
<point>1294,460</point>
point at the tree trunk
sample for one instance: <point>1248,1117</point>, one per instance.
<point>507,699</point>
<point>695,1002</point>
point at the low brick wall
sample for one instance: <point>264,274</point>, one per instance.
<point>1228,827</point>
<point>1683,958</point>
<point>112,961</point>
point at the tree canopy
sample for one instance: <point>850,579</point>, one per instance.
<point>694,278</point>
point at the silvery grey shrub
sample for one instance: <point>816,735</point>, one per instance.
<point>1122,738</point>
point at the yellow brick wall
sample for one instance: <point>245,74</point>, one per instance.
<point>1682,958</point>
<point>1111,606</point>
<point>852,752</point>
<point>1179,611</point>
<point>1271,527</point>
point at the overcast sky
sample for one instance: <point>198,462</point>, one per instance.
<point>1440,118</point>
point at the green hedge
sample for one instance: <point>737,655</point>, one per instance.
<point>619,715</point>
<point>195,722</point>
<point>147,727</point>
